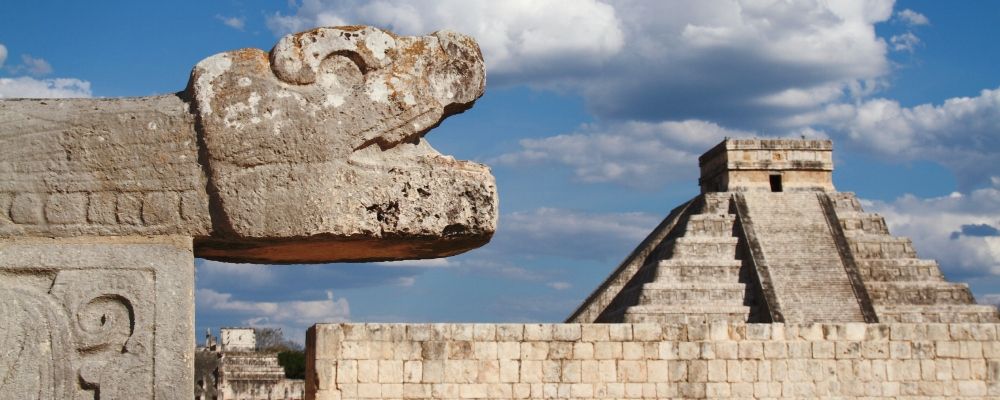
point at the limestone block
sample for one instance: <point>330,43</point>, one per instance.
<point>534,350</point>
<point>510,332</point>
<point>620,332</point>
<point>390,371</point>
<point>538,332</point>
<point>583,351</point>
<point>312,152</point>
<point>89,315</point>
<point>509,371</point>
<point>632,351</point>
<point>508,350</point>
<point>560,350</point>
<point>367,371</point>
<point>566,332</point>
<point>433,371</point>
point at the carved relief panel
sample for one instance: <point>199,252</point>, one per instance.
<point>81,320</point>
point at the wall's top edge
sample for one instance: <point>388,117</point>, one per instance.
<point>656,332</point>
<point>766,144</point>
<point>779,144</point>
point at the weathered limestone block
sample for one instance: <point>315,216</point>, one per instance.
<point>82,316</point>
<point>313,152</point>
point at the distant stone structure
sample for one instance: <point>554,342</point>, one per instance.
<point>769,239</point>
<point>313,152</point>
<point>235,370</point>
<point>769,284</point>
<point>238,339</point>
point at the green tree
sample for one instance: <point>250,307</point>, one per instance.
<point>291,356</point>
<point>294,362</point>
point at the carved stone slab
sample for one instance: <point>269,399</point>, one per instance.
<point>88,318</point>
<point>312,152</point>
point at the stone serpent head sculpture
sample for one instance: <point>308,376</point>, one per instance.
<point>313,152</point>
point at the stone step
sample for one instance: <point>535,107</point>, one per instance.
<point>845,202</point>
<point>691,314</point>
<point>965,313</point>
<point>704,247</point>
<point>804,265</point>
<point>698,270</point>
<point>880,246</point>
<point>716,203</point>
<point>692,293</point>
<point>899,269</point>
<point>710,225</point>
<point>853,222</point>
<point>918,293</point>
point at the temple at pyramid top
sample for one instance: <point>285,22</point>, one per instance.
<point>767,164</point>
<point>769,239</point>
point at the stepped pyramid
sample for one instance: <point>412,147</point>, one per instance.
<point>769,239</point>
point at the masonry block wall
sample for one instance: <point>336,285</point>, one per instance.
<point>533,361</point>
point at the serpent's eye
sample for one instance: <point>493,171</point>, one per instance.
<point>346,67</point>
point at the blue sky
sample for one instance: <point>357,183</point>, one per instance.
<point>594,115</point>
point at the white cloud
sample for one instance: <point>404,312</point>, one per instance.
<point>406,281</point>
<point>429,263</point>
<point>723,60</point>
<point>295,313</point>
<point>500,266</point>
<point>734,66</point>
<point>936,226</point>
<point>646,59</point>
<point>634,154</point>
<point>246,274</point>
<point>912,18</point>
<point>34,66</point>
<point>518,37</point>
<point>960,133</point>
<point>804,97</point>
<point>28,87</point>
<point>292,317</point>
<point>713,68</point>
<point>577,235</point>
<point>559,285</point>
<point>475,264</point>
<point>565,224</point>
<point>237,23</point>
<point>905,42</point>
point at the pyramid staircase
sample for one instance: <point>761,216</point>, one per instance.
<point>796,245</point>
<point>800,257</point>
<point>902,287</point>
<point>693,276</point>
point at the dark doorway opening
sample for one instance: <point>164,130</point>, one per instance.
<point>775,183</point>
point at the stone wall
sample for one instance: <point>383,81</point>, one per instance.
<point>651,360</point>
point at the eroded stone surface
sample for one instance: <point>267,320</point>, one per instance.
<point>313,152</point>
<point>90,316</point>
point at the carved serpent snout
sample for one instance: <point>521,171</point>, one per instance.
<point>373,86</point>
<point>313,152</point>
